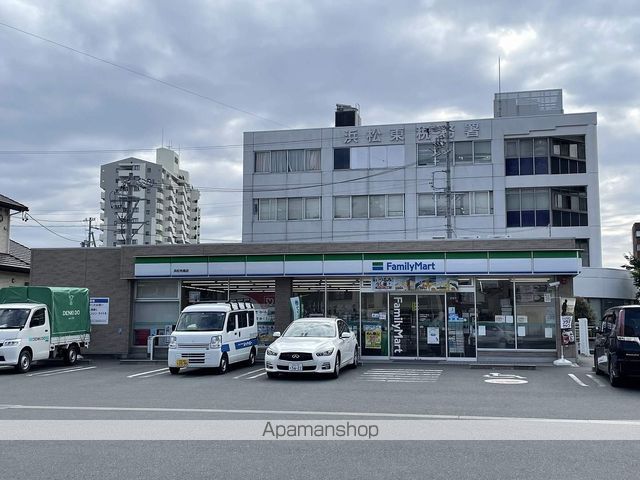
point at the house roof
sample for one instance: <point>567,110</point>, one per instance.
<point>6,202</point>
<point>18,258</point>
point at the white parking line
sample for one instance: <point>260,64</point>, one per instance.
<point>248,373</point>
<point>59,372</point>
<point>577,380</point>
<point>156,374</point>
<point>259,375</point>
<point>599,382</point>
<point>146,373</point>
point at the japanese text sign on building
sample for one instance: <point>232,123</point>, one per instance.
<point>99,311</point>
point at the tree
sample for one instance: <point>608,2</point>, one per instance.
<point>633,267</point>
<point>584,310</point>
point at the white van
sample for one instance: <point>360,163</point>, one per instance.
<point>214,335</point>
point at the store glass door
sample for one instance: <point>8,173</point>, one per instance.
<point>402,326</point>
<point>431,326</point>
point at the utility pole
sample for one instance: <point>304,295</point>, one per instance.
<point>90,237</point>
<point>127,238</point>
<point>448,184</point>
<point>441,142</point>
<point>125,203</point>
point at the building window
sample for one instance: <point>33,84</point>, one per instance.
<point>461,153</point>
<point>368,206</point>
<point>538,207</point>
<point>541,156</point>
<point>283,161</point>
<point>283,209</point>
<point>583,244</point>
<point>527,207</point>
<point>359,158</point>
<point>462,203</point>
<point>569,207</point>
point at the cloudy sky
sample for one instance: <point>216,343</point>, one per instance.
<point>262,65</point>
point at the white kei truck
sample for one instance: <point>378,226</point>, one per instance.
<point>39,323</point>
<point>214,335</point>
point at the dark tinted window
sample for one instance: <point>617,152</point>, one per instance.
<point>251,318</point>
<point>231,323</point>
<point>242,320</point>
<point>632,323</point>
<point>341,158</point>
<point>37,320</point>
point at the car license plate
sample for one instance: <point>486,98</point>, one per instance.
<point>295,367</point>
<point>182,362</point>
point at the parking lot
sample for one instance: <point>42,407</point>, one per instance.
<point>98,388</point>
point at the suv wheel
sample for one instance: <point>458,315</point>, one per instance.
<point>614,380</point>
<point>595,364</point>
<point>224,365</point>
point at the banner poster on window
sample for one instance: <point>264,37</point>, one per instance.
<point>393,283</point>
<point>568,305</point>
<point>372,336</point>
<point>436,284</point>
<point>565,322</point>
<point>433,336</point>
<point>568,338</point>
<point>296,307</point>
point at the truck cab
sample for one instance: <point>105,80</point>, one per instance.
<point>214,335</point>
<point>25,334</point>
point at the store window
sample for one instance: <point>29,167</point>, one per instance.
<point>535,316</point>
<point>156,309</point>
<point>494,302</point>
<point>343,301</point>
<point>374,336</point>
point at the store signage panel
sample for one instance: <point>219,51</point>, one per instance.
<point>467,265</point>
<point>509,265</point>
<point>265,268</point>
<point>402,266</point>
<point>152,269</point>
<point>342,267</point>
<point>302,268</point>
<point>545,265</point>
<point>180,269</point>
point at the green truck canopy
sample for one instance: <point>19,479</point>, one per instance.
<point>68,307</point>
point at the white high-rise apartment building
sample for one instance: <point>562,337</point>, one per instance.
<point>145,203</point>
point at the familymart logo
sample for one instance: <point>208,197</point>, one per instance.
<point>406,266</point>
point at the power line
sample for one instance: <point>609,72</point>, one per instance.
<point>51,231</point>
<point>142,74</point>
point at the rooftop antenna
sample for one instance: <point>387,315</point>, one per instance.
<point>499,86</point>
<point>162,144</point>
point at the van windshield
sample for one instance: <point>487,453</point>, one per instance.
<point>632,323</point>
<point>200,321</point>
<point>13,317</point>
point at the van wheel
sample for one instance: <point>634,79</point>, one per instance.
<point>71,355</point>
<point>336,370</point>
<point>224,365</point>
<point>252,357</point>
<point>613,380</point>
<point>24,362</point>
<point>174,370</point>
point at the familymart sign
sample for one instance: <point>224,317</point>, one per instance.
<point>442,263</point>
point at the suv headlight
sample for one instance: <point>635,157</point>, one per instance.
<point>12,343</point>
<point>271,352</point>
<point>216,341</point>
<point>325,353</point>
<point>173,342</point>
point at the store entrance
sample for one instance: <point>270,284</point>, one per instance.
<point>430,326</point>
